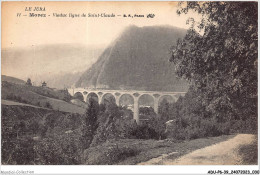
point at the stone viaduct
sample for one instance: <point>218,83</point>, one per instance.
<point>135,94</point>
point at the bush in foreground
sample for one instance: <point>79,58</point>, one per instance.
<point>107,154</point>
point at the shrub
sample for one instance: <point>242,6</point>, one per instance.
<point>61,149</point>
<point>113,123</point>
<point>108,154</point>
<point>144,132</point>
<point>21,154</point>
<point>48,105</point>
<point>193,120</point>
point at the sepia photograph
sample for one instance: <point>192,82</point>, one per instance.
<point>129,83</point>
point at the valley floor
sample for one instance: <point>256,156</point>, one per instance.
<point>240,150</point>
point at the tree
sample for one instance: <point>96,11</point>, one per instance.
<point>92,114</point>
<point>91,122</point>
<point>29,82</point>
<point>164,110</point>
<point>221,63</point>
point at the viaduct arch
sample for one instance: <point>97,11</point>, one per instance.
<point>118,94</point>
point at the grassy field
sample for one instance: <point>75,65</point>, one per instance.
<point>132,151</point>
<point>38,96</point>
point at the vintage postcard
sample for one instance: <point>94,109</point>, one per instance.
<point>129,83</point>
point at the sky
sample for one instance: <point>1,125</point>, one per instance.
<point>30,32</point>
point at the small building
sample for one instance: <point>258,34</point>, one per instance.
<point>44,84</point>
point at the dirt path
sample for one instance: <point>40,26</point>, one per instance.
<point>56,104</point>
<point>223,153</point>
<point>13,103</point>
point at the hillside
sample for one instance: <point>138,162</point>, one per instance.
<point>33,133</point>
<point>47,137</point>
<point>12,79</point>
<point>38,96</point>
<point>138,59</point>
